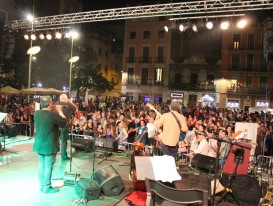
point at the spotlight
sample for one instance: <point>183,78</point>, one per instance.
<point>41,36</point>
<point>58,35</point>
<point>67,35</point>
<point>194,28</point>
<point>224,25</point>
<point>30,18</point>
<point>74,34</point>
<point>241,24</point>
<point>181,27</point>
<point>209,25</point>
<point>26,37</point>
<point>33,37</point>
<point>166,28</point>
<point>48,36</point>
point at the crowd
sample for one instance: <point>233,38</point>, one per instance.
<point>126,121</point>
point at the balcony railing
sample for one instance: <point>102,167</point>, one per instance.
<point>145,59</point>
<point>131,59</point>
<point>141,82</point>
<point>248,47</point>
<point>246,68</point>
<point>192,87</point>
<point>159,59</point>
<point>247,90</point>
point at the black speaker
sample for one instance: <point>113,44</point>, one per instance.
<point>86,145</point>
<point>109,180</point>
<point>203,163</point>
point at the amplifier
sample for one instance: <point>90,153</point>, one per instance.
<point>86,145</point>
<point>88,189</point>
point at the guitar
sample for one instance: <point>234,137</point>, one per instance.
<point>266,201</point>
<point>153,108</point>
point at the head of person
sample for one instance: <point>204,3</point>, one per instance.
<point>63,97</point>
<point>223,133</point>
<point>200,135</point>
<point>45,101</point>
<point>175,105</point>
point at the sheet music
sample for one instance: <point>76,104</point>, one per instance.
<point>157,167</point>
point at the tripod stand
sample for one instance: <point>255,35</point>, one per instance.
<point>239,153</point>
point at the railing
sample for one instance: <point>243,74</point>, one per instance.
<point>141,82</point>
<point>191,87</point>
<point>14,129</point>
<point>248,68</point>
<point>159,59</point>
<point>247,47</point>
<point>247,90</point>
<point>131,59</point>
<point>145,59</point>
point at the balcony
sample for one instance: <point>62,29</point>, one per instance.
<point>159,59</point>
<point>248,47</point>
<point>245,68</point>
<point>131,59</point>
<point>145,59</point>
<point>247,90</point>
<point>192,87</point>
<point>141,82</point>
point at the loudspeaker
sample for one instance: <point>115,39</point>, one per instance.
<point>238,155</point>
<point>109,180</point>
<point>86,145</point>
<point>203,163</point>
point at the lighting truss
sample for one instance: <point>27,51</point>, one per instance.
<point>171,9</point>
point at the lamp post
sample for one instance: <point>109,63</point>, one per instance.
<point>31,51</point>
<point>71,60</point>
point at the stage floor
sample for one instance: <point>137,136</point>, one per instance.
<point>19,176</point>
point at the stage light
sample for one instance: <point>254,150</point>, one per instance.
<point>224,25</point>
<point>58,35</point>
<point>209,25</point>
<point>48,36</point>
<point>33,37</point>
<point>30,17</point>
<point>41,36</point>
<point>241,24</point>
<point>181,27</point>
<point>67,35</point>
<point>166,28</point>
<point>26,37</point>
<point>194,28</point>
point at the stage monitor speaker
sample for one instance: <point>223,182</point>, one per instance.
<point>109,180</point>
<point>234,158</point>
<point>203,163</point>
<point>86,145</point>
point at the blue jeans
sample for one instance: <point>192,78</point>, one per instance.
<point>46,163</point>
<point>169,150</point>
<point>64,138</point>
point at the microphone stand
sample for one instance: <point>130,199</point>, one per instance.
<point>216,170</point>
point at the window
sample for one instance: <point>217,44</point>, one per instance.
<point>132,35</point>
<point>99,53</point>
<point>249,63</point>
<point>144,76</point>
<point>158,75</point>
<point>235,61</point>
<point>130,75</point>
<point>131,54</point>
<point>263,66</point>
<point>160,54</point>
<point>106,54</point>
<point>177,78</point>
<point>99,67</point>
<point>248,81</point>
<point>236,41</point>
<point>106,69</point>
<point>161,34</point>
<point>250,41</point>
<point>210,79</point>
<point>116,67</point>
<point>146,55</point>
<point>162,18</point>
<point>146,35</point>
<point>194,78</point>
<point>263,82</point>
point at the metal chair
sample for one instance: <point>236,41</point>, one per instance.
<point>174,195</point>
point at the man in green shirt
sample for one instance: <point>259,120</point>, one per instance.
<point>46,145</point>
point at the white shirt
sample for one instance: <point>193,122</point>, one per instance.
<point>151,129</point>
<point>203,147</point>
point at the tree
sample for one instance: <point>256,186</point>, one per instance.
<point>86,74</point>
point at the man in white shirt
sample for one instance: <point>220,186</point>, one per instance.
<point>152,133</point>
<point>203,147</point>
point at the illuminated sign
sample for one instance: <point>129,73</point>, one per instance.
<point>177,95</point>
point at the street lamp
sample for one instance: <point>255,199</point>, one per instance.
<point>71,60</point>
<point>31,51</point>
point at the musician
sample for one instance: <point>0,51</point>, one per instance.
<point>68,107</point>
<point>171,132</point>
<point>46,143</point>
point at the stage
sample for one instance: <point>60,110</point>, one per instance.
<point>19,176</point>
